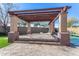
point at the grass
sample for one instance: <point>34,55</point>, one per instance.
<point>3,41</point>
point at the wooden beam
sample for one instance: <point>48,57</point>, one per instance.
<point>42,10</point>
<point>41,14</point>
<point>58,8</point>
<point>56,18</point>
<point>53,20</point>
<point>36,12</point>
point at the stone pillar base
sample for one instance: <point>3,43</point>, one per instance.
<point>64,38</point>
<point>12,36</point>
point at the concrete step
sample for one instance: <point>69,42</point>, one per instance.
<point>38,42</point>
<point>35,39</point>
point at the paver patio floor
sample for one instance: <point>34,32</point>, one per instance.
<point>26,49</point>
<point>38,37</point>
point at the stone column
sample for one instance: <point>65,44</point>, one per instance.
<point>13,34</point>
<point>29,28</point>
<point>63,34</point>
<point>51,27</point>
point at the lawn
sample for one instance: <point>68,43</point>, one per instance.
<point>3,41</point>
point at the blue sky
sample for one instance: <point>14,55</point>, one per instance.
<point>73,12</point>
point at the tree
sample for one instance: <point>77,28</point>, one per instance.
<point>72,21</point>
<point>4,16</point>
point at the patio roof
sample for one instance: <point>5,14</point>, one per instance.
<point>48,14</point>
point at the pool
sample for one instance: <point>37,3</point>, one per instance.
<point>74,40</point>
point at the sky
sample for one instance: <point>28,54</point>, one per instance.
<point>72,12</point>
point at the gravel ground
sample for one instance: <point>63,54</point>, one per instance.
<point>26,49</point>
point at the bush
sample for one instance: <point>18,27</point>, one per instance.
<point>74,34</point>
<point>2,34</point>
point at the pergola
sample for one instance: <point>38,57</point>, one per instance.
<point>48,14</point>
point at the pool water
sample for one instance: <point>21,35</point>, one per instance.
<point>74,40</point>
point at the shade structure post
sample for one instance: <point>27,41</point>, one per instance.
<point>29,28</point>
<point>13,34</point>
<point>51,27</point>
<point>63,33</point>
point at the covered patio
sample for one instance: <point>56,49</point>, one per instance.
<point>49,14</point>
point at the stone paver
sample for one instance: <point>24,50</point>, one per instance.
<point>25,49</point>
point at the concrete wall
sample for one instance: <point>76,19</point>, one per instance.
<point>23,30</point>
